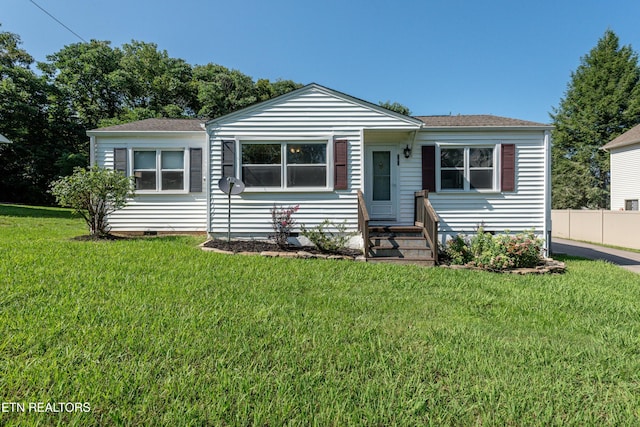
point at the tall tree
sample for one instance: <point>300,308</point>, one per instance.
<point>85,72</point>
<point>149,78</point>
<point>602,101</point>
<point>395,106</point>
<point>46,138</point>
<point>222,91</point>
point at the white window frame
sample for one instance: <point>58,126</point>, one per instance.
<point>159,170</point>
<point>328,141</point>
<point>466,146</point>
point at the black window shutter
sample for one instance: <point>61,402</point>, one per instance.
<point>228,157</point>
<point>429,168</point>
<point>195,170</point>
<point>120,159</point>
<point>508,167</point>
<point>340,165</point>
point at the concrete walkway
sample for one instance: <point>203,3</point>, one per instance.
<point>625,259</point>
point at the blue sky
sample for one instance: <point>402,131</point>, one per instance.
<point>503,57</point>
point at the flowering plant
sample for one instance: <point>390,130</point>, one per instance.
<point>495,253</point>
<point>282,223</point>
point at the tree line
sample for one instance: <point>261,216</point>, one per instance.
<point>92,84</point>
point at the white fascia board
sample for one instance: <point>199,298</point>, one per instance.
<point>487,128</point>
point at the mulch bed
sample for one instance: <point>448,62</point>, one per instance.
<point>258,246</point>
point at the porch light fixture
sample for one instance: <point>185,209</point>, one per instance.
<point>407,151</point>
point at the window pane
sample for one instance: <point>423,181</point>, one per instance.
<point>261,176</point>
<point>306,153</point>
<point>481,157</point>
<point>452,179</point>
<point>481,179</point>
<point>172,160</point>
<point>261,154</point>
<point>145,180</point>
<point>381,188</point>
<point>631,205</point>
<point>452,157</point>
<point>306,176</point>
<point>144,159</point>
<point>382,163</point>
<point>172,180</point>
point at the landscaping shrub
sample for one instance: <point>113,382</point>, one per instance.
<point>457,250</point>
<point>282,222</point>
<point>328,236</point>
<point>490,252</point>
<point>94,194</point>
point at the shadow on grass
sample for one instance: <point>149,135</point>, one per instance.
<point>120,237</point>
<point>35,211</point>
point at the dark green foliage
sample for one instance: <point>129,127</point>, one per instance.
<point>35,116</point>
<point>601,102</point>
<point>396,106</point>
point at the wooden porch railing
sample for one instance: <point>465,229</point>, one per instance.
<point>363,223</point>
<point>427,218</point>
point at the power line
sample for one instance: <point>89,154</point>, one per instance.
<point>57,20</point>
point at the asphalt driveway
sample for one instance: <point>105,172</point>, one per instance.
<point>625,259</point>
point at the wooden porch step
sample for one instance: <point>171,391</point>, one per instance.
<point>404,244</point>
<point>394,230</point>
<point>398,242</point>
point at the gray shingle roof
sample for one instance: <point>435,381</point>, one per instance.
<point>630,137</point>
<point>476,120</point>
<point>156,125</point>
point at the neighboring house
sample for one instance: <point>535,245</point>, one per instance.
<point>625,170</point>
<point>333,155</point>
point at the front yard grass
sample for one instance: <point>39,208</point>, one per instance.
<point>154,331</point>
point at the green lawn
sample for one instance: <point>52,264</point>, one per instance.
<point>154,331</point>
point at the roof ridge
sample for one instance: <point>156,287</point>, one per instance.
<point>156,124</point>
<point>476,120</point>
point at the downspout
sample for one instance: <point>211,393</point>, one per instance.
<point>93,146</point>
<point>547,191</point>
<point>208,133</point>
<point>413,140</point>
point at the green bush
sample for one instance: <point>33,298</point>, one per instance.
<point>490,252</point>
<point>457,250</point>
<point>328,236</point>
<point>94,194</point>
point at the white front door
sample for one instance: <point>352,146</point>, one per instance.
<point>380,182</point>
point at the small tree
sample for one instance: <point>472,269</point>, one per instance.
<point>93,194</point>
<point>282,223</point>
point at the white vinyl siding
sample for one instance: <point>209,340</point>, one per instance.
<point>172,211</point>
<point>463,212</point>
<point>312,114</point>
<point>625,175</point>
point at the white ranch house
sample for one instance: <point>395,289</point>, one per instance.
<point>338,157</point>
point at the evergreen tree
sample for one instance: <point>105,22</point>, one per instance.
<point>601,102</point>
